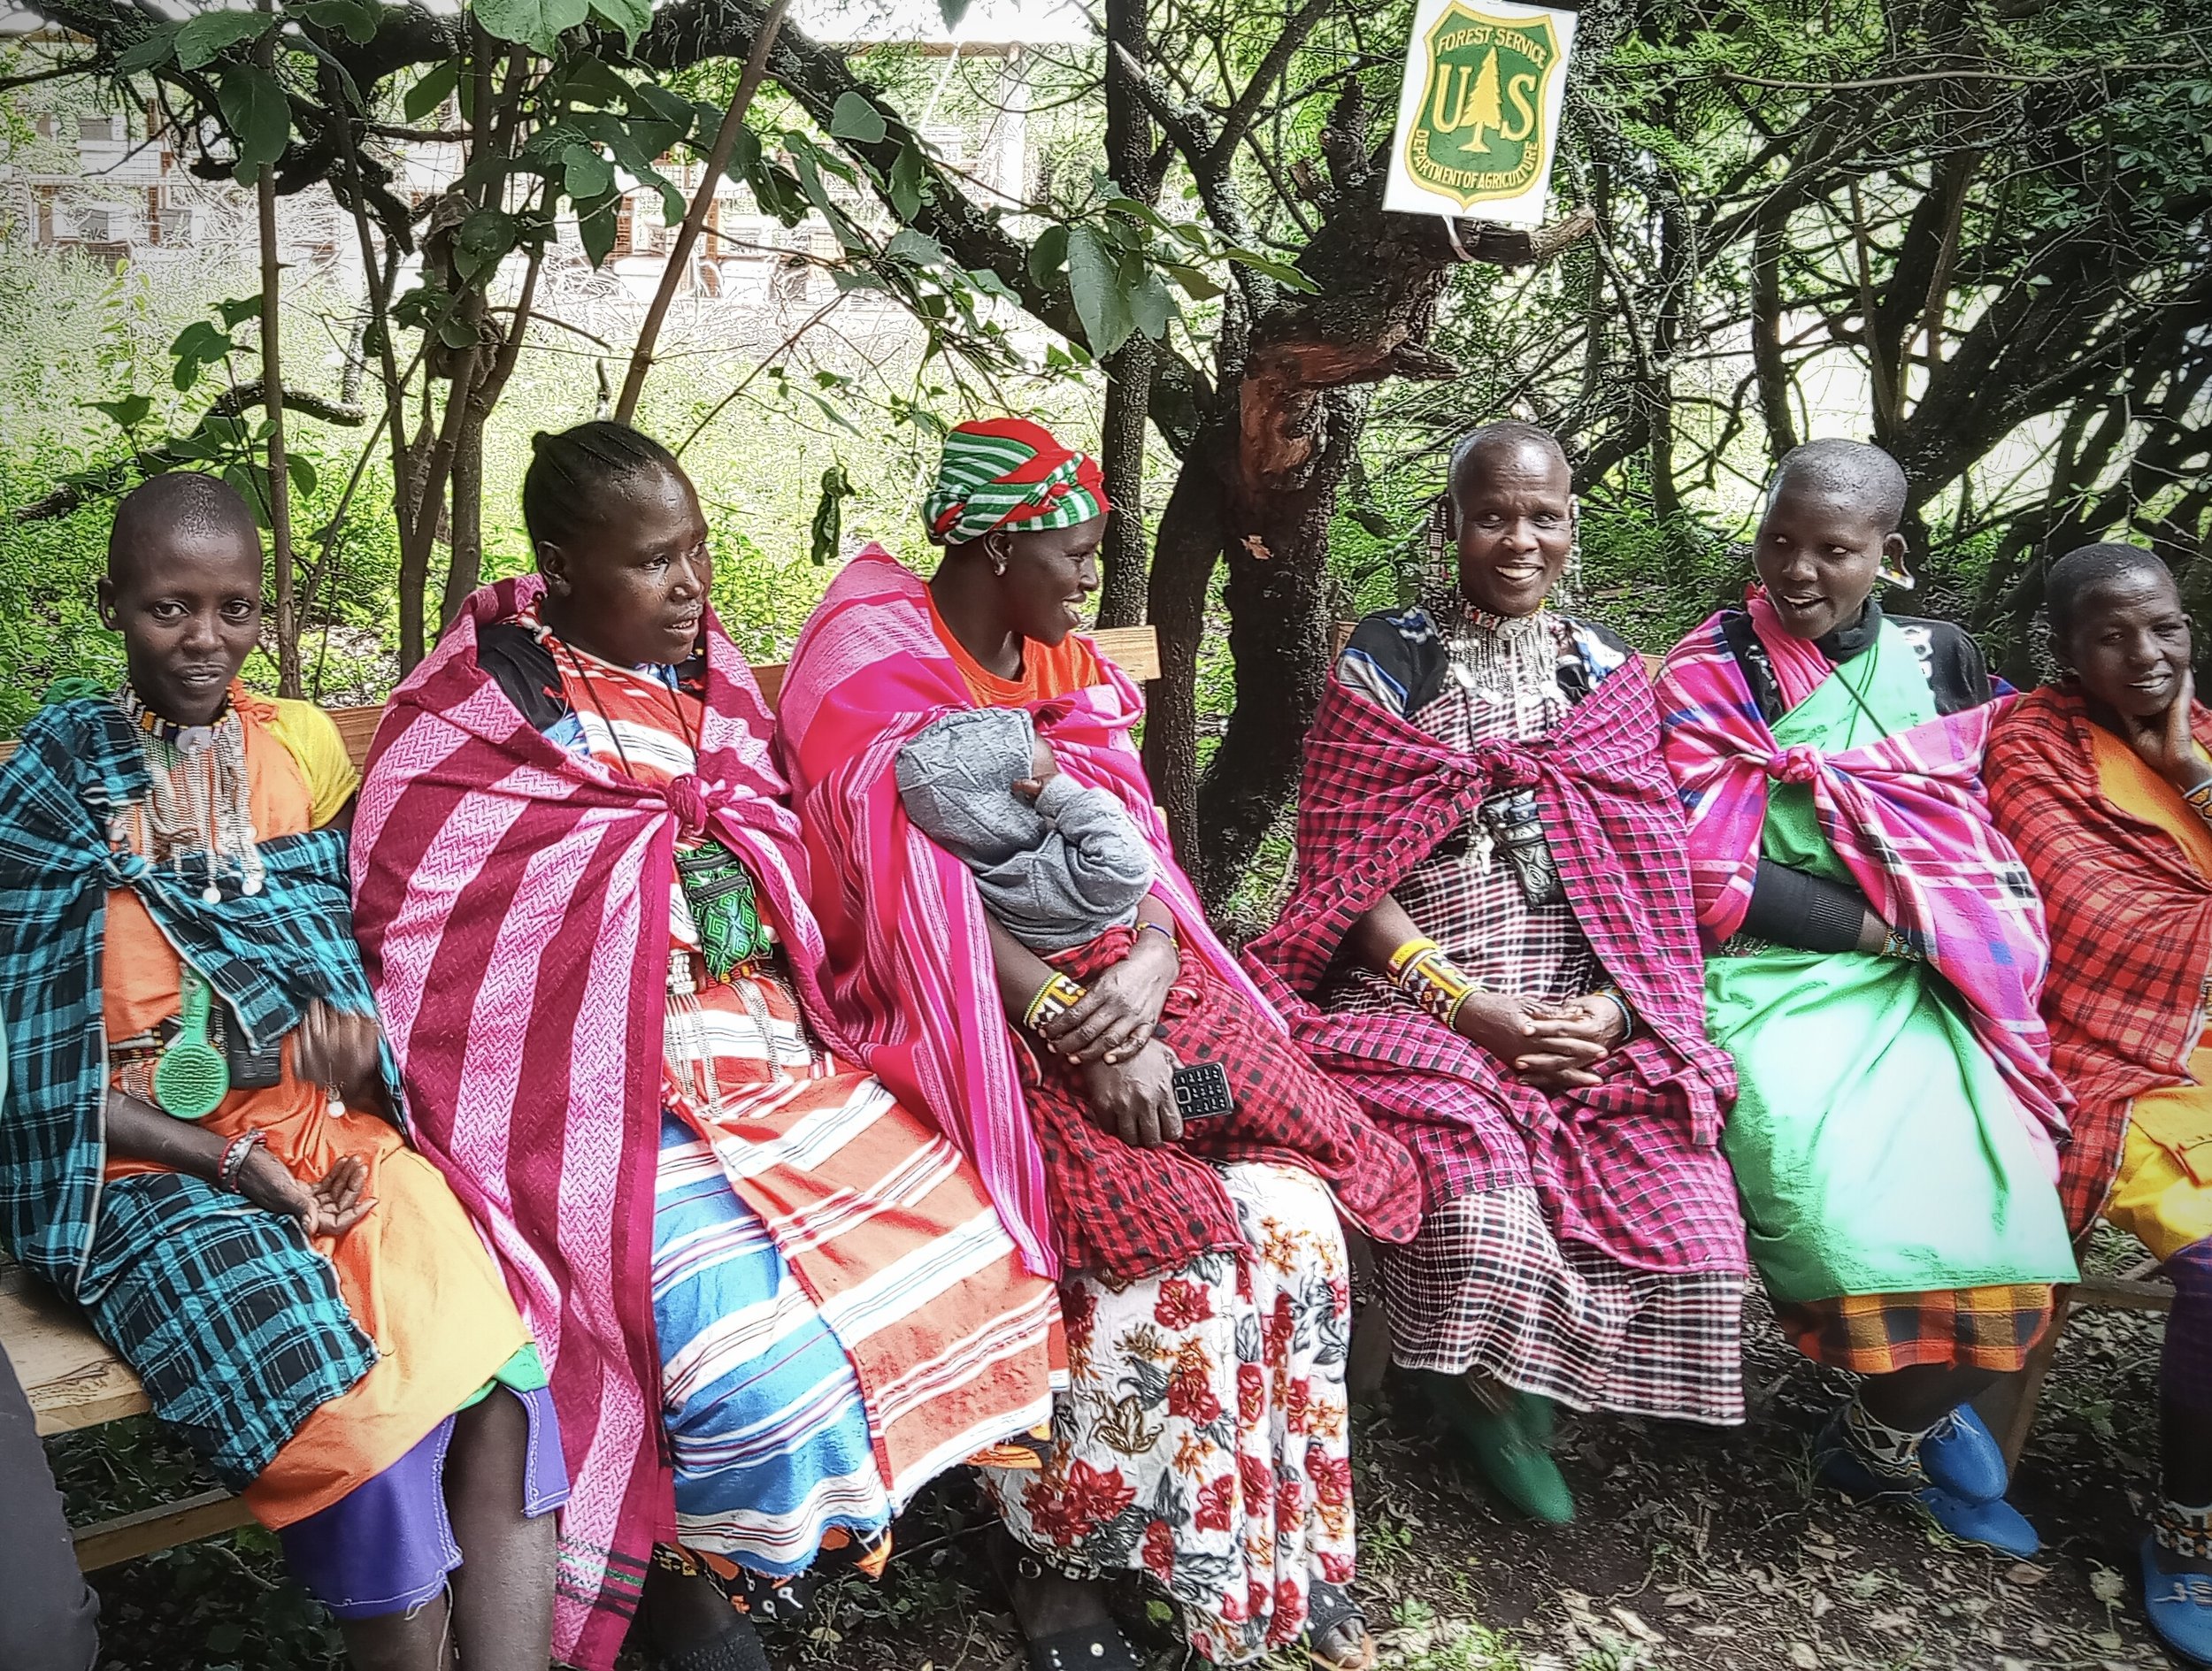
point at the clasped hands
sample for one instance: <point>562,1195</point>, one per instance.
<point>1107,1039</point>
<point>342,1051</point>
<point>1553,1046</point>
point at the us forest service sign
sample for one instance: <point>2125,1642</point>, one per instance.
<point>1478,110</point>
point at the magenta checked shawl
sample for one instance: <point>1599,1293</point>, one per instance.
<point>511,901</point>
<point>1910,820</point>
<point>1633,1166</point>
<point>909,972</point>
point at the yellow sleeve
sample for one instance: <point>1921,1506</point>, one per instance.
<point>313,741</point>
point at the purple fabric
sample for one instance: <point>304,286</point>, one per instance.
<point>2185,1370</point>
<point>387,1545</point>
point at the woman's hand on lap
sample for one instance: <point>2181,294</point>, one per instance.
<point>1121,1008</point>
<point>1135,1099</point>
<point>330,1206</point>
<point>1552,1047</point>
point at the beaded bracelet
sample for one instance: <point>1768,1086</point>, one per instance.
<point>2199,799</point>
<point>235,1154</point>
<point>1407,952</point>
<point>1900,945</point>
<point>1435,983</point>
<point>1054,999</point>
<point>1612,995</point>
<point>1166,929</point>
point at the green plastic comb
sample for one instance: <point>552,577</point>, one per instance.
<point>191,1078</point>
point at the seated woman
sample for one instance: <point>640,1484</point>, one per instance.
<point>1877,951</point>
<point>199,1144</point>
<point>2104,783</point>
<point>779,1302</point>
<point>1202,1272</point>
<point>1491,940</point>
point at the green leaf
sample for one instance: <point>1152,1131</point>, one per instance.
<point>252,483</point>
<point>1048,255</point>
<point>632,17</point>
<point>258,113</point>
<point>1197,283</point>
<point>917,246</point>
<point>198,344</point>
<point>907,178</point>
<point>356,19</point>
<point>457,333</point>
<point>1095,281</point>
<point>430,93</point>
<point>1151,305</point>
<point>829,514</point>
<point>596,225</point>
<point>301,471</point>
<point>206,37</point>
<point>236,311</point>
<point>128,413</point>
<point>150,53</point>
<point>1276,270</point>
<point>585,172</point>
<point>952,12</point>
<point>991,285</point>
<point>857,120</point>
<point>536,23</point>
<point>483,241</point>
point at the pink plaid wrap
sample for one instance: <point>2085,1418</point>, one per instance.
<point>1907,816</point>
<point>909,972</point>
<point>1630,1167</point>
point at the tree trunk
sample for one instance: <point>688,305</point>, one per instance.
<point>1121,601</point>
<point>464,556</point>
<point>1192,530</point>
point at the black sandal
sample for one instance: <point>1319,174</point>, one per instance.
<point>1100,1647</point>
<point>1329,1609</point>
<point>736,1649</point>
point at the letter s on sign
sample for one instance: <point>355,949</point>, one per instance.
<point>1519,91</point>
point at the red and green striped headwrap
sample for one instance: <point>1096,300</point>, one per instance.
<point>1008,473</point>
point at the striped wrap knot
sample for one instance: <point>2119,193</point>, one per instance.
<point>687,798</point>
<point>1503,765</point>
<point>1800,762</point>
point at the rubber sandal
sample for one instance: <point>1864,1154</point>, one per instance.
<point>2179,1606</point>
<point>1327,1608</point>
<point>1515,1466</point>
<point>737,1649</point>
<point>1100,1647</point>
<point>1963,1457</point>
<point>1993,1525</point>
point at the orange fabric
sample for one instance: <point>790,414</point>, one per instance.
<point>1047,669</point>
<point>414,1272</point>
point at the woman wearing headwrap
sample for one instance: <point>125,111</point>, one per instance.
<point>1203,1271</point>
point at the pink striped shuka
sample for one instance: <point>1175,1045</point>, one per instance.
<point>512,898</point>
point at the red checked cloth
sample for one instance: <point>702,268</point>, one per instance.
<point>1631,1166</point>
<point>2131,922</point>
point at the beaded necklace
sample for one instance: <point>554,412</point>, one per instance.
<point>198,807</point>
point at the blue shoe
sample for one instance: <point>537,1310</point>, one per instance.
<point>1998,1525</point>
<point>2179,1607</point>
<point>1963,1457</point>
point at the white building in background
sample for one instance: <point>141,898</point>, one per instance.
<point>112,184</point>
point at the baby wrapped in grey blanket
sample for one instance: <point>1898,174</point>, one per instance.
<point>1057,870</point>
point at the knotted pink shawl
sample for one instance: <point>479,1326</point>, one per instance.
<point>1910,820</point>
<point>910,974</point>
<point>511,901</point>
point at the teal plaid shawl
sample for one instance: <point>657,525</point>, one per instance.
<point>231,1318</point>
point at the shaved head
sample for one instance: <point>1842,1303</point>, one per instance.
<point>1494,444</point>
<point>180,503</point>
<point>1847,470</point>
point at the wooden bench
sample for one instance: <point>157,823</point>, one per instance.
<point>73,1380</point>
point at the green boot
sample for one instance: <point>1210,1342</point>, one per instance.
<point>1502,1442</point>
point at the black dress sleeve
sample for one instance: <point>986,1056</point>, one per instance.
<point>1794,908</point>
<point>523,669</point>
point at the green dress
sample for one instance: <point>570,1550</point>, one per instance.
<point>1877,1148</point>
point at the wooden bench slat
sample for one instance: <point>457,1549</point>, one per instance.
<point>187,1520</point>
<point>70,1376</point>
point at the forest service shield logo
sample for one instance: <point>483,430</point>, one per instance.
<point>1480,134</point>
